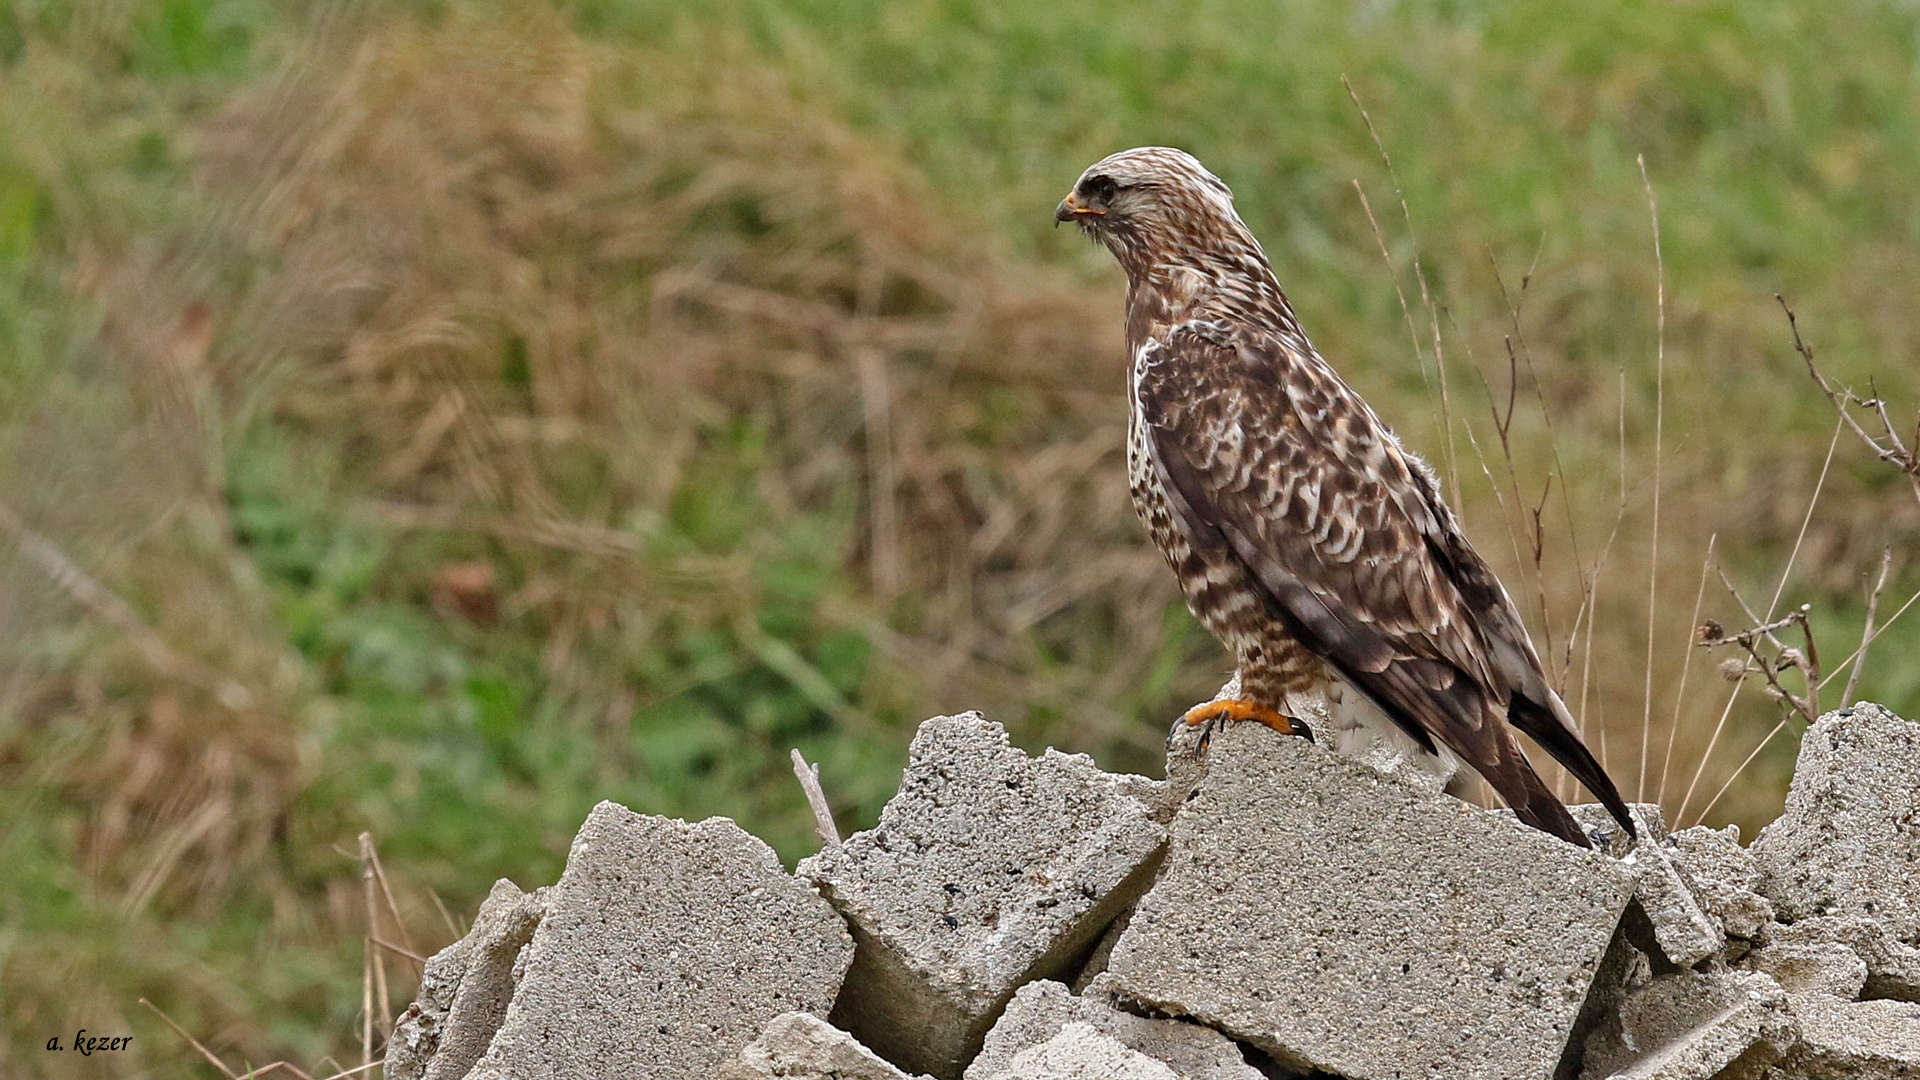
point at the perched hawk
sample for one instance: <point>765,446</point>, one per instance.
<point>1305,537</point>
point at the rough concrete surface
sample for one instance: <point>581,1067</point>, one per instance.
<point>1724,877</point>
<point>988,869</point>
<point>1810,967</point>
<point>1606,833</point>
<point>1693,1026</point>
<point>1040,1010</point>
<point>1847,843</point>
<point>1341,920</point>
<point>1682,930</point>
<point>800,1046</point>
<point>664,949</point>
<point>1082,1052</point>
<point>464,991</point>
<point>1893,969</point>
<point>1849,1040</point>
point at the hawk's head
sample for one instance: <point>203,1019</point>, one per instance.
<point>1154,205</point>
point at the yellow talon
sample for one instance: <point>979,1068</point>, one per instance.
<point>1238,709</point>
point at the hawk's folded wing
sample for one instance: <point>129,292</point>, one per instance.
<point>1268,457</point>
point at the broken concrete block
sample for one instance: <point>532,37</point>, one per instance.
<point>800,1046</point>
<point>1725,878</point>
<point>1853,1040</point>
<point>1081,1052</point>
<point>464,991</point>
<point>1846,843</point>
<point>1893,969</point>
<point>988,869</point>
<point>664,949</point>
<point>1810,967</point>
<point>1671,922</point>
<point>1341,920</point>
<point>1040,1010</point>
<point>1682,930</point>
<point>1692,1026</point>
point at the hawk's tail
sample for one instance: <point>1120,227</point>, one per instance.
<point>1534,805</point>
<point>1553,729</point>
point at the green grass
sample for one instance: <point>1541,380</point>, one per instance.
<point>581,300</point>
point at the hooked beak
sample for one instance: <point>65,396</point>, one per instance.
<point>1071,209</point>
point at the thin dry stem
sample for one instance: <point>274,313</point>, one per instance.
<point>1866,629</point>
<point>1451,460</point>
<point>1659,434</point>
<point>1713,741</point>
<point>393,909</point>
<point>398,950</point>
<point>1406,311</point>
<point>1724,788</point>
<point>191,1041</point>
<point>817,799</point>
<point>1686,666</point>
<point>1855,655</point>
<point>371,963</point>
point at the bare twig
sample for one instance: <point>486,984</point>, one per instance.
<point>1892,450</point>
<point>1807,661</point>
<point>822,815</point>
<point>1866,630</point>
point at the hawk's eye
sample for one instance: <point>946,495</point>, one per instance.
<point>1100,190</point>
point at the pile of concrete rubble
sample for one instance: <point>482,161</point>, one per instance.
<point>1272,910</point>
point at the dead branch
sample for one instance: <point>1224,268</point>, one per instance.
<point>1887,447</point>
<point>1806,661</point>
<point>1866,630</point>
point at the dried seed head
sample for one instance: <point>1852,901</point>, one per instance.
<point>1733,669</point>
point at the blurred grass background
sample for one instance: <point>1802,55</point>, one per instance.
<point>429,419</point>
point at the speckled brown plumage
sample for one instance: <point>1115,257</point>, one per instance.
<point>1304,536</point>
